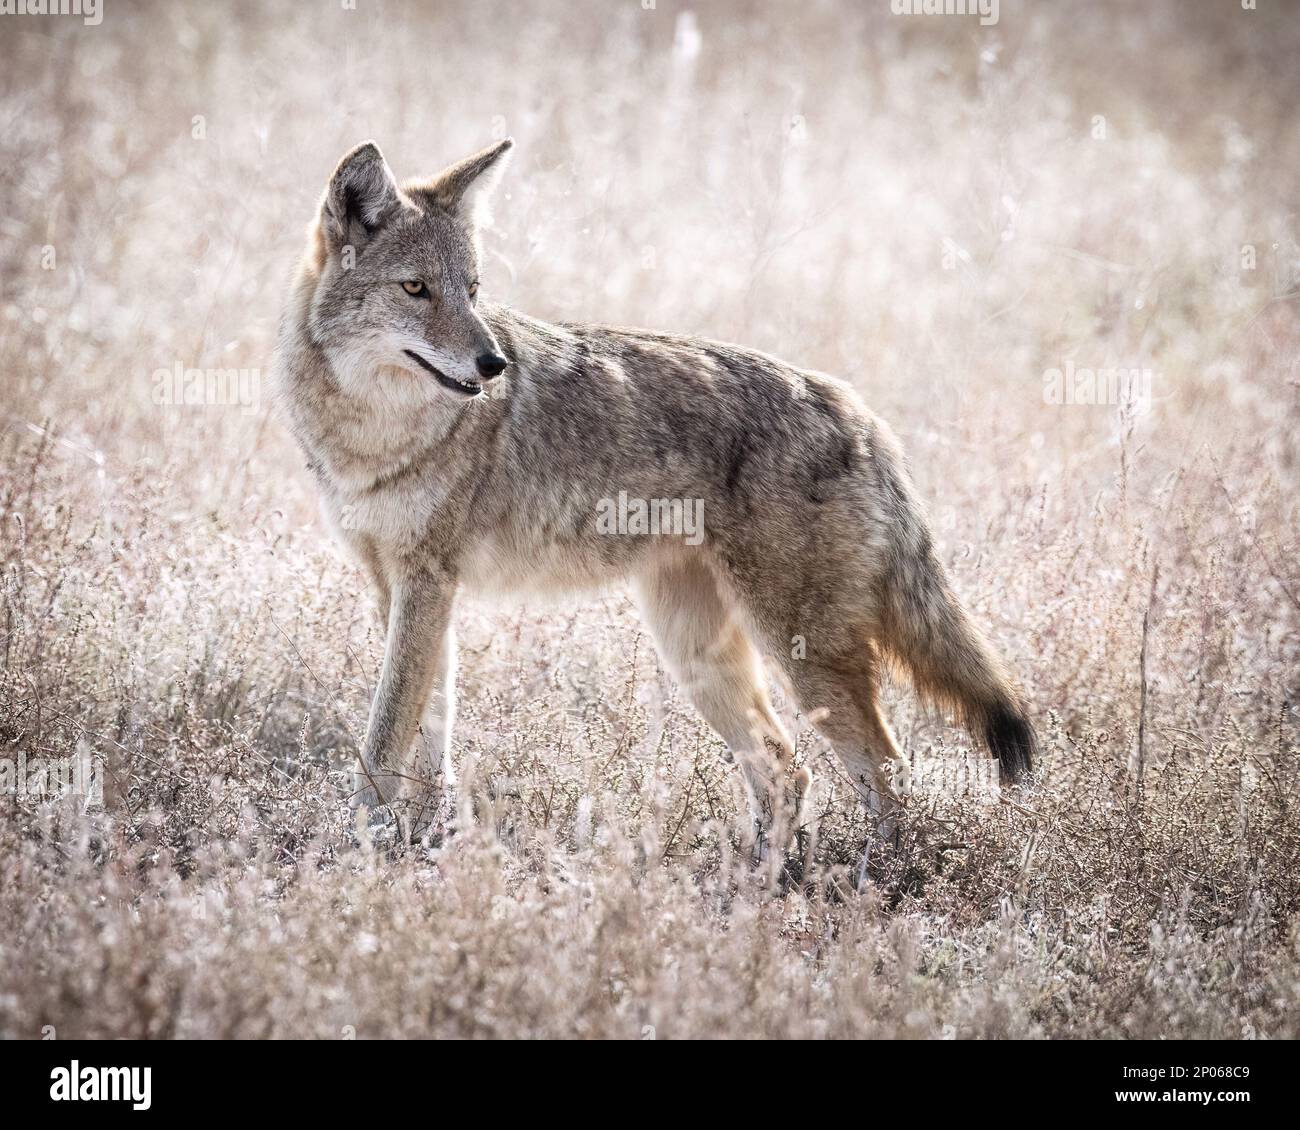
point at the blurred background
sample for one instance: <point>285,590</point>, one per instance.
<point>939,211</point>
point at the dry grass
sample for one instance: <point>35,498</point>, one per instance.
<point>170,602</point>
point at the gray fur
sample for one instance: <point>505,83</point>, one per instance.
<point>812,531</point>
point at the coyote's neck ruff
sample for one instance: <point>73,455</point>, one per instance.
<point>464,445</point>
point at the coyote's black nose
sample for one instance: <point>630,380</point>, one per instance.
<point>490,364</point>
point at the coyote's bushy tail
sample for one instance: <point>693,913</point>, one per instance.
<point>927,632</point>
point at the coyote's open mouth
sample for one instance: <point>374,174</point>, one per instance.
<point>469,388</point>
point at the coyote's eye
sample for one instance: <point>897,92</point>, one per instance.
<point>415,288</point>
<point>473,291</point>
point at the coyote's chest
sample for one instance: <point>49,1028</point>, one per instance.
<point>380,481</point>
<point>394,507</point>
<point>390,516</point>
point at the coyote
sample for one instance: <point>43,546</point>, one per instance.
<point>460,444</point>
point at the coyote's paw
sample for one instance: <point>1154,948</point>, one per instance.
<point>367,798</point>
<point>374,791</point>
<point>399,808</point>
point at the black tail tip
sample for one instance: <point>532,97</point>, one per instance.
<point>1011,739</point>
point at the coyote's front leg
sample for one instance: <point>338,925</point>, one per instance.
<point>418,660</point>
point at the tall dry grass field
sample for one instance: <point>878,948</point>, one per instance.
<point>956,218</point>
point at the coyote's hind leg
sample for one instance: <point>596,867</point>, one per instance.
<point>840,693</point>
<point>703,642</point>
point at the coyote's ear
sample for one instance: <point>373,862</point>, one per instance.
<point>361,197</point>
<point>465,188</point>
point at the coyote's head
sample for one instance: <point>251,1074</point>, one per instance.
<point>395,300</point>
